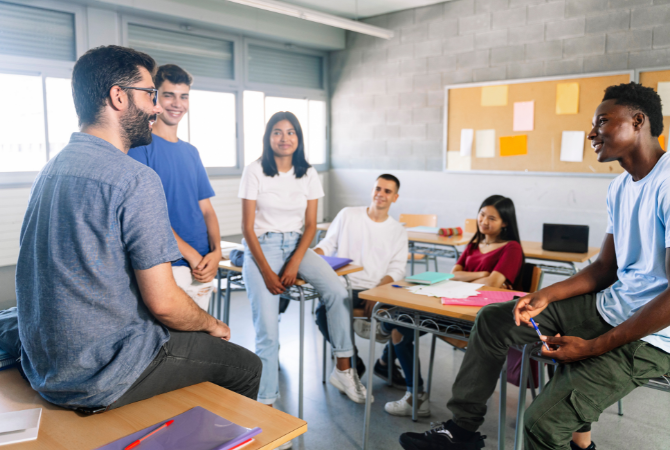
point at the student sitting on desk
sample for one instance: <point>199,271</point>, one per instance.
<point>187,188</point>
<point>608,326</point>
<point>101,320</point>
<point>372,239</point>
<point>280,193</point>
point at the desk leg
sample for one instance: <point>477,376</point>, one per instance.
<point>354,358</point>
<point>226,305</point>
<point>302,348</point>
<point>368,398</point>
<point>430,364</point>
<point>411,253</point>
<point>216,307</point>
<point>415,370</point>
<point>523,387</point>
<point>502,408</point>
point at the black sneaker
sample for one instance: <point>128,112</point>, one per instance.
<point>574,446</point>
<point>440,438</point>
<point>360,367</point>
<point>396,377</point>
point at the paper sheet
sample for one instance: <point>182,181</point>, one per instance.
<point>494,95</point>
<point>514,145</point>
<point>457,162</point>
<point>19,426</point>
<point>524,116</point>
<point>484,298</point>
<point>664,91</point>
<point>467,135</point>
<point>572,146</point>
<point>451,289</point>
<point>567,98</point>
<point>486,144</point>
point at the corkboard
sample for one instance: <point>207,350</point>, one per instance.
<point>651,78</point>
<point>544,142</point>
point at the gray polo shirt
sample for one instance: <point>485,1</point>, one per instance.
<point>94,216</point>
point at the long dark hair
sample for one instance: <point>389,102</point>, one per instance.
<point>505,207</point>
<point>300,164</point>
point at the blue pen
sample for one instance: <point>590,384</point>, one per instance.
<point>398,286</point>
<point>540,334</point>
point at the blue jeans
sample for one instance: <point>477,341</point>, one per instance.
<point>404,351</point>
<point>278,249</point>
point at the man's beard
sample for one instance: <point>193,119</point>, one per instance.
<point>135,126</point>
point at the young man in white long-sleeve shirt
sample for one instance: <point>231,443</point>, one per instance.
<point>372,239</point>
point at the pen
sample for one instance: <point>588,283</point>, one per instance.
<point>139,441</point>
<point>540,334</point>
<point>398,286</point>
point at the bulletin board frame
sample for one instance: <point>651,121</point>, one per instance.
<point>445,136</point>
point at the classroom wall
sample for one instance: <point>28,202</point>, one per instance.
<point>388,97</point>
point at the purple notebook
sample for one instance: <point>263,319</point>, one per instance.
<point>196,429</point>
<point>335,262</point>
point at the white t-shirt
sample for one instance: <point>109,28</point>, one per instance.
<point>380,247</point>
<point>281,200</point>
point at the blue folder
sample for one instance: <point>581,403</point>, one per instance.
<point>335,262</point>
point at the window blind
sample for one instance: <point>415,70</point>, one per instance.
<point>36,32</point>
<point>275,66</point>
<point>199,55</point>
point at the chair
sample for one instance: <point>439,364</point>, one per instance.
<point>418,220</point>
<point>470,226</point>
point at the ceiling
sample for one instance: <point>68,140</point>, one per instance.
<point>359,9</point>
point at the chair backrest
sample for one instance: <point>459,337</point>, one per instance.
<point>419,220</point>
<point>470,226</point>
<point>529,278</point>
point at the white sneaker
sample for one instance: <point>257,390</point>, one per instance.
<point>362,329</point>
<point>403,407</point>
<point>347,382</point>
<point>286,445</point>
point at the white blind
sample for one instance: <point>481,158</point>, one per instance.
<point>274,66</point>
<point>36,32</point>
<point>199,55</point>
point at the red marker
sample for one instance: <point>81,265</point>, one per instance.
<point>139,441</point>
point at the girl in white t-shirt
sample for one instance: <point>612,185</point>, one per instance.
<point>280,193</point>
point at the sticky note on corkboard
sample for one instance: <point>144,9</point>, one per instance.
<point>494,95</point>
<point>514,145</point>
<point>567,98</point>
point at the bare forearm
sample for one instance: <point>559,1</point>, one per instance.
<point>255,249</point>
<point>386,280</point>
<point>468,277</point>
<point>304,243</point>
<point>188,252</point>
<point>213,231</point>
<point>185,315</point>
<point>593,278</point>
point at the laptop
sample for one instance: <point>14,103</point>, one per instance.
<point>565,238</point>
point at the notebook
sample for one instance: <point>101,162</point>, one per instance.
<point>196,429</point>
<point>19,426</point>
<point>335,262</point>
<point>429,277</point>
<point>422,229</point>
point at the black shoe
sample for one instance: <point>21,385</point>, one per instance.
<point>574,446</point>
<point>360,367</point>
<point>396,377</point>
<point>440,438</point>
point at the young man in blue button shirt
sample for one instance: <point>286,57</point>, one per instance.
<point>187,187</point>
<point>609,325</point>
<point>102,322</point>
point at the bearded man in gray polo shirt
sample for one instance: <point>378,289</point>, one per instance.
<point>102,322</point>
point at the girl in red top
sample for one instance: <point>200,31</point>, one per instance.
<point>494,256</point>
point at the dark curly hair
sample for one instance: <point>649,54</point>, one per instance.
<point>172,73</point>
<point>641,98</point>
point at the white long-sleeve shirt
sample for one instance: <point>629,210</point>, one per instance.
<point>380,247</point>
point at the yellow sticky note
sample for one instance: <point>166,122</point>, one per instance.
<point>494,95</point>
<point>567,98</point>
<point>514,145</point>
<point>661,140</point>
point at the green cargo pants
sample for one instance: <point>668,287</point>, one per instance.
<point>579,391</point>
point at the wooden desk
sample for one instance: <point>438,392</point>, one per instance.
<point>534,250</point>
<point>61,429</point>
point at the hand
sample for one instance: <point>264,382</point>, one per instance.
<point>193,259</point>
<point>273,283</point>
<point>567,349</point>
<point>206,269</point>
<point>220,330</point>
<point>368,307</point>
<point>290,273</point>
<point>529,306</point>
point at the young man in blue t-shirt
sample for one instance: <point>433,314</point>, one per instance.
<point>187,187</point>
<point>608,326</point>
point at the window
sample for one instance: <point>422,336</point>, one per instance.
<point>210,126</point>
<point>61,116</point>
<point>311,114</point>
<point>275,66</point>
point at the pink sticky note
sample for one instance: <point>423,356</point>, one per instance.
<point>524,116</point>
<point>483,299</point>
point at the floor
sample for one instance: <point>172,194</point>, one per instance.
<point>335,422</point>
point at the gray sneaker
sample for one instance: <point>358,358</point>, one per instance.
<point>362,329</point>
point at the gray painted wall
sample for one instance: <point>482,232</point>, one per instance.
<point>388,97</point>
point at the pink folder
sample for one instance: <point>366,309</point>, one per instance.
<point>196,429</point>
<point>483,299</point>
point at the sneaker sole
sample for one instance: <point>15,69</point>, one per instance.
<point>342,390</point>
<point>418,413</point>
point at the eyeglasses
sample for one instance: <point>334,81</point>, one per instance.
<point>154,92</point>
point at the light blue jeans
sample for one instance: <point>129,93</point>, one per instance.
<point>278,249</point>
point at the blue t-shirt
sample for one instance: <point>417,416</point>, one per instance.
<point>638,215</point>
<point>185,182</point>
<point>94,216</point>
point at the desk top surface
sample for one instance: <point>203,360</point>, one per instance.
<point>534,250</point>
<point>402,297</point>
<point>429,238</point>
<point>61,429</point>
